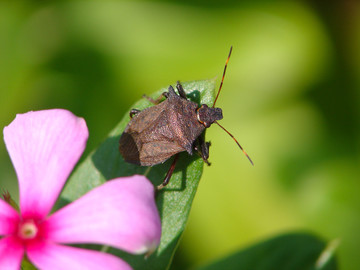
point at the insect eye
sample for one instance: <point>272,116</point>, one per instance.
<point>202,117</point>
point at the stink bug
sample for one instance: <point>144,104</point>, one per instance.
<point>175,125</point>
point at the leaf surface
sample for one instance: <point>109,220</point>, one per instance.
<point>174,201</point>
<point>295,251</point>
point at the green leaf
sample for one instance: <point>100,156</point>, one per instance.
<point>174,201</point>
<point>26,265</point>
<point>296,251</point>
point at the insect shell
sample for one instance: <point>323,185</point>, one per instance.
<point>159,132</point>
<point>168,128</point>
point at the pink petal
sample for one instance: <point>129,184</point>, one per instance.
<point>54,257</point>
<point>120,213</point>
<point>44,146</point>
<point>11,253</point>
<point>8,219</point>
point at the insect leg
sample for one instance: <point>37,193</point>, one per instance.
<point>202,148</point>
<point>180,90</point>
<point>158,100</point>
<point>133,112</point>
<point>169,173</point>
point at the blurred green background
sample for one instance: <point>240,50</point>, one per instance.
<point>290,96</point>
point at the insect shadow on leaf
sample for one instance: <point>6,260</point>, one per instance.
<point>174,125</point>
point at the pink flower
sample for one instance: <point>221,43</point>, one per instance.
<point>44,146</point>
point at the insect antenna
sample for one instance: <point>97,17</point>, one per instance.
<point>223,76</point>
<point>242,149</point>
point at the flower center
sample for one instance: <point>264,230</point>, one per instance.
<point>28,230</point>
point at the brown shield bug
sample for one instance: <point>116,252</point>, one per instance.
<point>172,126</point>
